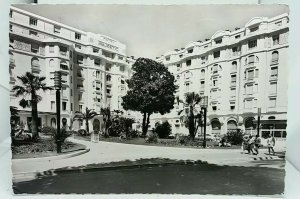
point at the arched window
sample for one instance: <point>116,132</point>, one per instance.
<point>251,59</point>
<point>275,56</point>
<point>202,73</point>
<point>51,63</point>
<point>108,78</point>
<point>231,125</point>
<point>216,126</point>
<point>35,66</point>
<point>234,66</point>
<point>249,125</point>
<point>215,69</point>
<point>53,122</point>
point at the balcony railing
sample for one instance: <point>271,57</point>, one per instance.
<point>273,78</point>
<point>12,62</point>
<point>274,61</point>
<point>35,67</point>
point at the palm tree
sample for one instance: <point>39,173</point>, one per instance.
<point>30,85</point>
<point>192,115</point>
<point>88,115</point>
<point>105,112</point>
<point>127,124</point>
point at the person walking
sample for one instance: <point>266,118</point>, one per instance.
<point>257,142</point>
<point>271,144</point>
<point>251,144</point>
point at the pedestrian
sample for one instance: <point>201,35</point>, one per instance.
<point>257,142</point>
<point>251,144</point>
<point>271,144</point>
<point>245,143</point>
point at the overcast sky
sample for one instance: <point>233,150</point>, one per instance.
<point>149,31</point>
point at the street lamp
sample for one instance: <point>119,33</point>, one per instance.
<point>57,86</point>
<point>204,105</point>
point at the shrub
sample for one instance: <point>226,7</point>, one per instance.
<point>82,132</point>
<point>234,137</point>
<point>48,130</point>
<point>163,130</point>
<point>151,137</point>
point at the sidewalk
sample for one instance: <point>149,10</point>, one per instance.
<point>105,152</point>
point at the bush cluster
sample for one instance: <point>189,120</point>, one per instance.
<point>163,130</point>
<point>234,137</point>
<point>151,137</point>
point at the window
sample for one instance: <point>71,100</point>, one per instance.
<point>255,88</point>
<point>272,102</point>
<point>187,86</point>
<point>71,107</point>
<point>79,97</point>
<point>219,41</point>
<point>203,59</point>
<point>237,36</point>
<point>95,50</point>
<point>202,84</point>
<point>71,54</point>
<point>234,66</point>
<point>188,62</point>
<point>97,62</point>
<point>51,49</point>
<point>77,46</point>
<point>251,59</point>
<point>190,51</point>
<point>256,73</point>
<point>232,92</point>
<point>216,54</point>
<point>64,106</point>
<point>248,104</point>
<point>278,23</point>
<point>254,29</point>
<point>178,67</point>
<point>77,36</point>
<point>249,89</point>
<point>273,88</point>
<point>79,59</point>
<point>232,107</point>
<point>205,46</point>
<point>235,51</point>
<point>180,55</point>
<point>250,74</point>
<point>56,29</point>
<point>214,108</point>
<point>32,21</point>
<point>33,33</point>
<point>11,14</point>
<point>233,79</point>
<point>80,108</point>
<point>215,82</point>
<point>214,69</point>
<point>51,63</point>
<point>71,91</point>
<point>63,50</point>
<point>34,48</point>
<point>108,91</point>
<point>122,68</point>
<point>252,44</point>
<point>214,94</point>
<point>274,71</point>
<point>52,105</point>
<point>108,78</point>
<point>168,58</point>
<point>10,27</point>
<point>187,75</point>
<point>202,73</point>
<point>275,40</point>
<point>275,56</point>
<point>122,81</point>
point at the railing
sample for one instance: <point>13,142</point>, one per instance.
<point>274,61</point>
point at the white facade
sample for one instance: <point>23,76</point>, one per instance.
<point>94,67</point>
<point>240,71</point>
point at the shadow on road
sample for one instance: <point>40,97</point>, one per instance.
<point>157,175</point>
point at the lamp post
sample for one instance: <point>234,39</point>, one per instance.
<point>258,120</point>
<point>204,106</point>
<point>57,86</point>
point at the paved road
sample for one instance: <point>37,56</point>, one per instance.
<point>104,152</point>
<point>180,179</point>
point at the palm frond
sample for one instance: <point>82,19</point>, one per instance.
<point>25,103</point>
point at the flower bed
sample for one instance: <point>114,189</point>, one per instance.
<point>43,148</point>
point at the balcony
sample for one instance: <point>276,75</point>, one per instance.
<point>80,88</point>
<point>272,94</point>
<point>250,65</point>
<point>80,76</point>
<point>232,84</point>
<point>233,70</point>
<point>273,78</point>
<point>98,90</point>
<point>64,69</point>
<point>215,73</point>
<point>35,68</point>
<point>274,61</point>
<point>249,80</point>
<point>12,62</point>
<point>12,80</point>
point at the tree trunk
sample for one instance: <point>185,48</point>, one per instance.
<point>34,114</point>
<point>191,124</point>
<point>148,121</point>
<point>144,124</point>
<point>87,126</point>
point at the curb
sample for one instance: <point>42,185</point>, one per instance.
<point>55,157</point>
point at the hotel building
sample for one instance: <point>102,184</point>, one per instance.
<point>240,71</point>
<point>94,67</point>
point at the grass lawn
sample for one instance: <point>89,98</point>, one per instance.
<point>43,148</point>
<point>161,142</point>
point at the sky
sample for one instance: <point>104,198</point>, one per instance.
<point>151,30</point>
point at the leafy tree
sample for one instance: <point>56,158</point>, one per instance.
<point>30,86</point>
<point>126,123</point>
<point>193,116</point>
<point>151,90</point>
<point>88,115</point>
<point>163,130</point>
<point>105,112</point>
<point>14,118</point>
